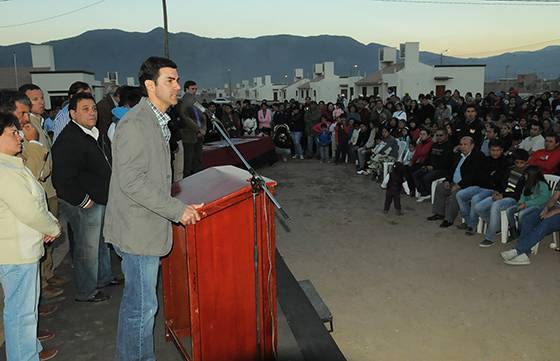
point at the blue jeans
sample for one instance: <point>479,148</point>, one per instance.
<point>533,229</point>
<point>90,254</point>
<point>296,139</point>
<point>21,287</point>
<point>467,199</point>
<point>324,152</point>
<point>489,210</point>
<point>139,304</point>
<point>511,211</point>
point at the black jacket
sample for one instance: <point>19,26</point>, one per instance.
<point>472,129</point>
<point>495,170</point>
<point>441,156</point>
<point>81,169</point>
<point>470,169</point>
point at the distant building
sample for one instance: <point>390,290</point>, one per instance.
<point>408,75</point>
<point>292,91</point>
<point>524,84</point>
<point>328,86</point>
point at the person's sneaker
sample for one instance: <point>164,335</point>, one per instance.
<point>486,243</point>
<point>445,224</point>
<point>44,335</point>
<point>423,198</point>
<point>301,157</point>
<point>435,217</point>
<point>519,260</point>
<point>509,254</point>
<point>462,226</point>
<point>361,172</point>
<point>48,354</point>
<point>469,231</point>
<point>294,156</point>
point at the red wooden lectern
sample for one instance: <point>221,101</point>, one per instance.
<point>216,307</point>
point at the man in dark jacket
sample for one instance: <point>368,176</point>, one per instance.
<point>194,130</point>
<point>471,126</point>
<point>495,169</point>
<point>438,165</point>
<point>465,173</point>
<point>81,175</point>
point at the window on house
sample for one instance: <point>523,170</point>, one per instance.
<point>364,91</point>
<point>351,92</point>
<point>375,90</point>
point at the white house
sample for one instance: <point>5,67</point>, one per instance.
<point>292,91</point>
<point>55,83</point>
<point>327,86</point>
<point>409,76</point>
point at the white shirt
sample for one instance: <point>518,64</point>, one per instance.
<point>531,144</point>
<point>94,132</point>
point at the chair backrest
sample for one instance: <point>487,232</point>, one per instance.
<point>403,147</point>
<point>552,181</point>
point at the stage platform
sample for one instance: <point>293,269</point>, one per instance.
<point>257,150</point>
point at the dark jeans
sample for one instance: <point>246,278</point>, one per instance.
<point>423,180</point>
<point>90,254</point>
<point>341,153</point>
<point>192,157</point>
<point>409,170</point>
<point>392,196</point>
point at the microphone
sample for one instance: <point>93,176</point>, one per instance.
<point>203,110</point>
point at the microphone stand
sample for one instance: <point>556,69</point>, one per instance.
<point>257,184</point>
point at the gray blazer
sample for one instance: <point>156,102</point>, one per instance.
<point>140,207</point>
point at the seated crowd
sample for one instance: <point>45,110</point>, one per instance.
<point>486,155</point>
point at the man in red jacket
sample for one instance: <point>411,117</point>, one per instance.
<point>548,159</point>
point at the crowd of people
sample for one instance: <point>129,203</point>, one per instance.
<point>95,177</point>
<point>484,155</point>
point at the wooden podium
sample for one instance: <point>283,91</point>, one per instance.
<point>216,307</point>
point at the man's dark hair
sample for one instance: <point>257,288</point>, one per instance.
<point>9,98</point>
<point>520,154</point>
<point>495,143</point>
<point>77,87</point>
<point>149,70</point>
<point>471,106</point>
<point>188,84</point>
<point>25,87</point>
<point>537,124</point>
<point>129,96</point>
<point>556,137</point>
<point>73,104</point>
<point>7,120</point>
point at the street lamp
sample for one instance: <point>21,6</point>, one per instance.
<point>165,30</point>
<point>441,56</point>
<point>356,69</point>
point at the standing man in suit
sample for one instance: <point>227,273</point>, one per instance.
<point>140,208</point>
<point>193,131</point>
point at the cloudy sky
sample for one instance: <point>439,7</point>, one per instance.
<point>463,29</point>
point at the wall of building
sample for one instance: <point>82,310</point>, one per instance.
<point>56,84</point>
<point>465,79</point>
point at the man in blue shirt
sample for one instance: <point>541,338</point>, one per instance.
<point>463,174</point>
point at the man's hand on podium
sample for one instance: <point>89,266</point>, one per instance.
<point>191,215</point>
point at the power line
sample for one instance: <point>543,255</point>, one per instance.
<point>52,17</point>
<point>482,2</point>
<point>500,51</point>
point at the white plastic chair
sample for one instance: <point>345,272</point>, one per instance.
<point>552,181</point>
<point>403,146</point>
<point>434,185</point>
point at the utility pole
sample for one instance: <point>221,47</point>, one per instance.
<point>15,70</point>
<point>165,30</point>
<point>441,56</point>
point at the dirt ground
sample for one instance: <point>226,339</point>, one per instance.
<point>400,287</point>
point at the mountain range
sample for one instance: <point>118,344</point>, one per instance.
<point>213,62</point>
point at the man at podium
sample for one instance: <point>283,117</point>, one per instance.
<point>140,207</point>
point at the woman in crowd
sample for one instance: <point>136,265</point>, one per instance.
<point>26,224</point>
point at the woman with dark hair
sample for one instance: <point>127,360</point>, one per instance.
<point>535,194</point>
<point>26,224</point>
